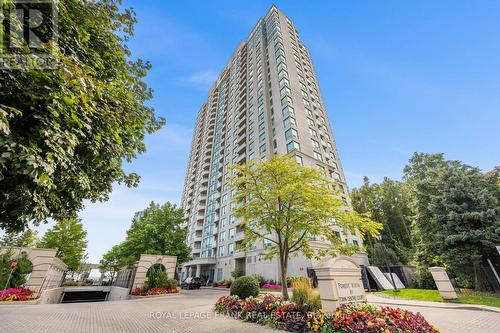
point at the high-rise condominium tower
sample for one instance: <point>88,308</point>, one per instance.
<point>265,101</point>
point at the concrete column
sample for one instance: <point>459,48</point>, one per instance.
<point>443,283</point>
<point>198,270</point>
<point>189,271</point>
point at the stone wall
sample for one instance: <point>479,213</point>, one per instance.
<point>48,271</point>
<point>148,260</point>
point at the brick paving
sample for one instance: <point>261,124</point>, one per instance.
<point>191,312</point>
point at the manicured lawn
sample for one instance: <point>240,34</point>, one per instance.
<point>480,299</point>
<point>418,294</point>
<point>433,296</point>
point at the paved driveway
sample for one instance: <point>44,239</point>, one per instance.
<point>191,312</point>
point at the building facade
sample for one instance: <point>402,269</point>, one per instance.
<point>265,101</point>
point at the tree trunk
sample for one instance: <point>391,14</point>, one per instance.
<point>283,273</point>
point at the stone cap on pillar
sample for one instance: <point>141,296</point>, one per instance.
<point>338,266</point>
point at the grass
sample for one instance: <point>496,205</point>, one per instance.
<point>418,294</point>
<point>433,296</point>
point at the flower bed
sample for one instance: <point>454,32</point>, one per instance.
<point>270,286</point>
<point>271,311</point>
<point>153,291</point>
<point>16,294</point>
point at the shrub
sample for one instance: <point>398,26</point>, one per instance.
<point>228,283</point>
<point>290,280</point>
<point>260,279</point>
<point>303,295</point>
<point>238,272</point>
<point>425,279</point>
<point>16,277</point>
<point>157,277</point>
<point>245,286</point>
<point>171,284</point>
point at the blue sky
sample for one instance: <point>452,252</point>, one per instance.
<point>396,77</point>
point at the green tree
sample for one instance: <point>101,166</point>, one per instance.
<point>158,230</point>
<point>457,213</point>
<point>27,238</point>
<point>112,261</point>
<point>286,205</point>
<point>65,133</point>
<point>69,239</point>
<point>389,204</point>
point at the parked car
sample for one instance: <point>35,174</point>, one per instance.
<point>191,283</point>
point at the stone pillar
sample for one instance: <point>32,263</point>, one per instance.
<point>198,270</point>
<point>339,282</point>
<point>443,283</point>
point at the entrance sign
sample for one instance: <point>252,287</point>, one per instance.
<point>339,282</point>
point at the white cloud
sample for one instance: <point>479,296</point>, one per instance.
<point>201,80</point>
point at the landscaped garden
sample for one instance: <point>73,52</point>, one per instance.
<point>303,312</point>
<point>467,297</point>
<point>13,274</point>
<point>157,283</point>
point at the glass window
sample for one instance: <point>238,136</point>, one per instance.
<point>299,160</point>
<point>231,233</point>
<point>221,251</point>
<point>222,236</point>
<point>230,248</point>
<point>289,121</point>
<point>291,133</point>
<point>287,111</point>
<point>293,145</point>
<point>262,149</point>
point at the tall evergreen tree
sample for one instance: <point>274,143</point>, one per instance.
<point>457,213</point>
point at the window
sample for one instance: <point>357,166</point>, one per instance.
<point>313,132</point>
<point>288,110</point>
<point>315,144</point>
<point>299,160</point>
<point>318,156</point>
<point>291,146</point>
<point>262,149</point>
<point>310,122</point>
<point>231,233</point>
<point>222,236</point>
<point>221,251</point>
<point>262,137</point>
<point>285,91</point>
<point>291,133</point>
<point>287,100</point>
<point>230,248</point>
<point>289,121</point>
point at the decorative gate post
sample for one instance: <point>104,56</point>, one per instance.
<point>339,282</point>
